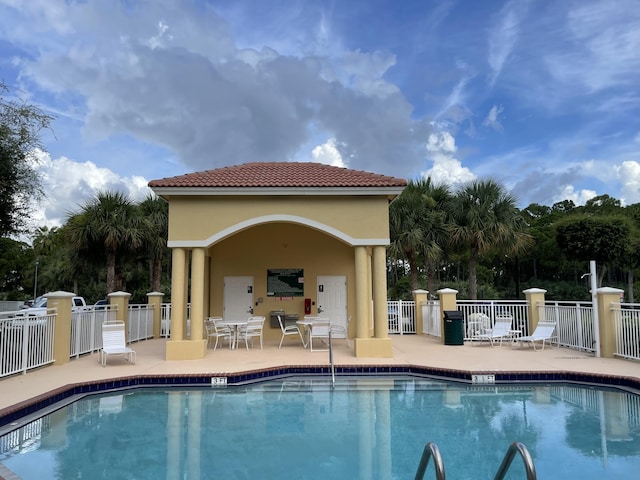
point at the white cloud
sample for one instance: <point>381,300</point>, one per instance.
<point>503,38</point>
<point>446,168</point>
<point>68,184</point>
<point>568,192</point>
<point>491,120</point>
<point>629,175</point>
<point>328,154</point>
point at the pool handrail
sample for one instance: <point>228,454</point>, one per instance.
<point>517,447</point>
<point>431,450</point>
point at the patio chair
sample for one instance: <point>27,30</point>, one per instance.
<point>288,331</point>
<point>501,330</point>
<point>477,323</point>
<point>114,343</point>
<point>215,329</point>
<point>252,329</point>
<point>341,331</point>
<point>319,329</point>
<point>543,332</point>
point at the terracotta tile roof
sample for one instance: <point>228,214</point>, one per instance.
<point>279,175</point>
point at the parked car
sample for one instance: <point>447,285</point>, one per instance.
<point>101,304</point>
<point>39,307</point>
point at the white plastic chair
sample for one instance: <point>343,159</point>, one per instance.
<point>542,333</point>
<point>341,331</point>
<point>114,343</point>
<point>320,330</point>
<point>216,330</point>
<point>252,329</point>
<point>501,330</point>
<point>288,331</point>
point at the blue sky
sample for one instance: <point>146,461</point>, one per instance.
<point>541,95</point>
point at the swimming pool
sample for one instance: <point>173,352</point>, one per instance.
<point>301,427</point>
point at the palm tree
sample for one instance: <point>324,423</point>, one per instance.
<point>154,211</point>
<point>106,223</point>
<point>418,224</point>
<point>485,218</point>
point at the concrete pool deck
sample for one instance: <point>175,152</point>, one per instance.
<point>408,350</point>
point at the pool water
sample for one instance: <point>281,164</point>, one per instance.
<point>365,427</point>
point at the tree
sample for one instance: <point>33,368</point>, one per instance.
<point>20,185</point>
<point>155,213</point>
<point>485,218</point>
<point>108,223</point>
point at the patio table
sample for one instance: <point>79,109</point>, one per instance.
<point>234,326</point>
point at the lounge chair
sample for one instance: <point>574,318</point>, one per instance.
<point>477,323</point>
<point>543,332</point>
<point>501,330</point>
<point>114,343</point>
<point>288,331</point>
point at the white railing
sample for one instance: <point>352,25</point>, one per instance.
<point>86,329</point>
<point>165,320</point>
<point>626,317</point>
<point>26,342</point>
<point>431,324</point>
<point>140,322</point>
<point>574,323</point>
<point>401,316</point>
<point>489,310</point>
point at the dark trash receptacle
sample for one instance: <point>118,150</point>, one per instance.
<point>453,328</point>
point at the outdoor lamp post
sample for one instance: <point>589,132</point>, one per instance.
<point>35,284</point>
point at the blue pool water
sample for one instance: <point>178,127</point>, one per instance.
<point>367,427</point>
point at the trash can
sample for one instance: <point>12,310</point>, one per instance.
<point>453,328</point>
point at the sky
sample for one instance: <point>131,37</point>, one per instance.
<point>540,95</point>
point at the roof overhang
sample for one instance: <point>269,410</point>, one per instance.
<point>390,192</point>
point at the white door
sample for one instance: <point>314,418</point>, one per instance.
<point>332,298</point>
<point>238,298</point>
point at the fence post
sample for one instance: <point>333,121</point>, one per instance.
<point>61,301</point>
<point>607,296</point>
<point>419,297</point>
<point>121,301</point>
<point>155,302</point>
<point>448,301</point>
<point>535,300</point>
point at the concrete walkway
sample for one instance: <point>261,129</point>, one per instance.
<point>418,350</point>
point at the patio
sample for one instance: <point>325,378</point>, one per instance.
<point>408,350</point>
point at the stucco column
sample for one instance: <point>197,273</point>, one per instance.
<point>154,299</point>
<point>371,281</point>
<point>448,301</point>
<point>61,301</point>
<point>420,297</point>
<point>121,302</point>
<point>362,327</point>
<point>178,293</point>
<point>607,296</point>
<point>379,280</point>
<point>535,307</point>
<point>179,347</point>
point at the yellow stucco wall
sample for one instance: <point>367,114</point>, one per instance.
<point>273,246</point>
<point>199,218</point>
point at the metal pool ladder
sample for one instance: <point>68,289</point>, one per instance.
<point>431,450</point>
<point>333,368</point>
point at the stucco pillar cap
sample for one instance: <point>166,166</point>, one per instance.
<point>119,294</point>
<point>447,290</point>
<point>609,290</point>
<point>155,294</point>
<point>420,291</point>
<point>59,294</point>
<point>534,290</point>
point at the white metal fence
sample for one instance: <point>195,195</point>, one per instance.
<point>574,323</point>
<point>401,316</point>
<point>25,342</point>
<point>86,329</point>
<point>431,324</point>
<point>140,322</point>
<point>486,311</point>
<point>627,326</point>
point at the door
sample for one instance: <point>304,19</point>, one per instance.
<point>332,298</point>
<point>238,298</point>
